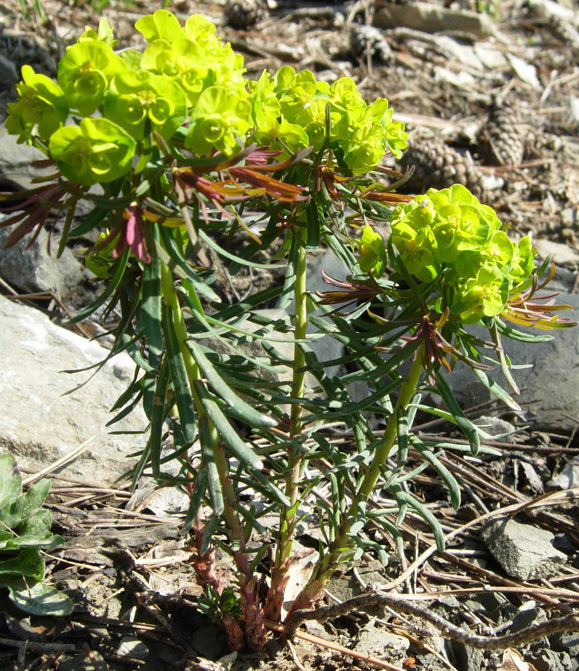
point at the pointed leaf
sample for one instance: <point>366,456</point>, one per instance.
<point>237,405</point>
<point>466,426</point>
<point>178,376</point>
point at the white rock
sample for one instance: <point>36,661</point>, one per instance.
<point>490,56</point>
<point>560,252</point>
<point>525,71</point>
<point>40,422</point>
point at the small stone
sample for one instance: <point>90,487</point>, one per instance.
<point>210,642</point>
<point>569,216</point>
<point>489,604</point>
<point>132,647</point>
<point>566,641</point>
<point>528,616</point>
<point>498,429</point>
<point>567,477</point>
<point>375,640</point>
<point>549,660</point>
<point>523,551</point>
<point>464,657</point>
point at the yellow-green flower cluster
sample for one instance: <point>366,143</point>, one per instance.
<point>188,83</point>
<point>294,107</point>
<point>450,237</point>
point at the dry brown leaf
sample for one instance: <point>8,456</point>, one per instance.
<point>513,661</point>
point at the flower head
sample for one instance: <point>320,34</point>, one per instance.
<point>84,73</point>
<point>95,151</point>
<point>136,100</point>
<point>40,109</point>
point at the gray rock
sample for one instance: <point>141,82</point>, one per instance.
<point>464,657</point>
<point>523,551</point>
<point>375,640</point>
<point>561,253</point>
<point>568,642</point>
<point>132,647</point>
<point>209,641</point>
<point>325,348</point>
<point>16,159</point>
<point>489,604</point>
<point>549,385</point>
<point>498,428</point>
<point>34,269</point>
<point>432,18</point>
<point>548,660</point>
<point>40,421</point>
<point>568,477</point>
<point>8,74</point>
<point>528,616</point>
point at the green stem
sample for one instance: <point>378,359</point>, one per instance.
<point>407,391</point>
<point>288,514</point>
<point>333,557</point>
<point>229,498</point>
<point>172,300</point>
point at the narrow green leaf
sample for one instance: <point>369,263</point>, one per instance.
<point>313,221</point>
<point>92,220</point>
<point>427,516</point>
<point>196,500</point>
<point>232,257</point>
<point>178,376</point>
<point>237,446</point>
<point>158,417</point>
<point>446,476</point>
<point>402,428</point>
<point>108,292</point>
<point>150,312</point>
<point>237,405</point>
<point>169,251</point>
<point>466,426</point>
<point>213,482</point>
<point>287,294</point>
<point>520,336</point>
<point>496,390</point>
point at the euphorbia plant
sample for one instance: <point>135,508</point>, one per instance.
<point>183,148</point>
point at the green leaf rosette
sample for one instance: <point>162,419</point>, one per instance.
<point>97,150</point>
